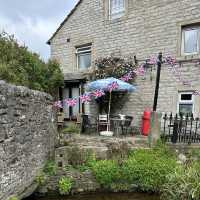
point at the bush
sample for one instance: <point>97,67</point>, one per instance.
<point>64,185</point>
<point>183,184</point>
<point>41,179</point>
<point>13,198</point>
<point>71,128</point>
<point>148,169</point>
<point>106,172</point>
<point>21,67</point>
<point>50,168</point>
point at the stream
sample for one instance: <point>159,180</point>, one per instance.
<point>102,196</point>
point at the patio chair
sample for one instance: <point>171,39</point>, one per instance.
<point>126,126</point>
<point>102,121</point>
<point>87,125</point>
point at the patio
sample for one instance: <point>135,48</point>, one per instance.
<point>120,125</point>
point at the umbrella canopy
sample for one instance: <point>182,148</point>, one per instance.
<point>103,84</point>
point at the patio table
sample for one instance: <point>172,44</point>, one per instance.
<point>118,124</point>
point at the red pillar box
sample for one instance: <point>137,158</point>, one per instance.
<point>146,122</point>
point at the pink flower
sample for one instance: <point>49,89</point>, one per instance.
<point>113,86</point>
<point>71,102</point>
<point>98,93</point>
<point>57,104</point>
<point>85,98</point>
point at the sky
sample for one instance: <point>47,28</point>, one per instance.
<point>34,21</point>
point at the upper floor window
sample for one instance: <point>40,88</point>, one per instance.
<point>83,55</point>
<point>186,103</point>
<point>116,8</point>
<point>191,40</point>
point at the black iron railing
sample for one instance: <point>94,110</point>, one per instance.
<point>180,129</point>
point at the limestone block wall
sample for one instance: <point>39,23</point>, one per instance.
<point>148,27</point>
<point>26,137</point>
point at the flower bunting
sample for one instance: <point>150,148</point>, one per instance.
<point>140,71</point>
<point>85,98</point>
<point>113,86</point>
<point>71,102</point>
<point>57,104</point>
<point>98,93</point>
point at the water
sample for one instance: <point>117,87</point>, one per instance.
<point>103,196</point>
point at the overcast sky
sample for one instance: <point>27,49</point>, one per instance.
<point>34,21</point>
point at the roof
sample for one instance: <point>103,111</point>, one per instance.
<point>61,25</point>
<point>74,76</point>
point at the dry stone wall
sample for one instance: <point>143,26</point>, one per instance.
<point>26,137</point>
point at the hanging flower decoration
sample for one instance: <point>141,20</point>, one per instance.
<point>71,102</point>
<point>58,104</point>
<point>85,98</point>
<point>112,86</point>
<point>98,93</point>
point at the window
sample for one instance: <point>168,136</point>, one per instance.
<point>116,8</point>
<point>191,40</point>
<point>83,57</point>
<point>186,103</point>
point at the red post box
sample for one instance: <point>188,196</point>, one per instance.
<point>146,122</point>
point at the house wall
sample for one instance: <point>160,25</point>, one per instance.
<point>148,27</point>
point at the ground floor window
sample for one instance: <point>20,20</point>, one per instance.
<point>186,103</point>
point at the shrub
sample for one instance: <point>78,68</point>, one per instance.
<point>50,168</point>
<point>21,67</point>
<point>71,128</point>
<point>106,172</point>
<point>41,179</point>
<point>148,169</point>
<point>183,184</point>
<point>64,185</point>
<point>13,198</point>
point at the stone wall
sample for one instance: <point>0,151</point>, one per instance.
<point>149,27</point>
<point>26,138</point>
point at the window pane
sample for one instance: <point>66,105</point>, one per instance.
<point>117,8</point>
<point>65,107</point>
<point>190,41</point>
<point>185,108</point>
<point>84,61</point>
<point>75,109</point>
<point>186,97</point>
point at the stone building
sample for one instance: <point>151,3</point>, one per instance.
<point>100,28</point>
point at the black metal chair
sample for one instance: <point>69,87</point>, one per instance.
<point>88,124</point>
<point>126,125</point>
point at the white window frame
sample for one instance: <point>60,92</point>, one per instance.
<point>180,101</point>
<point>183,30</point>
<point>116,15</point>
<point>85,50</point>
